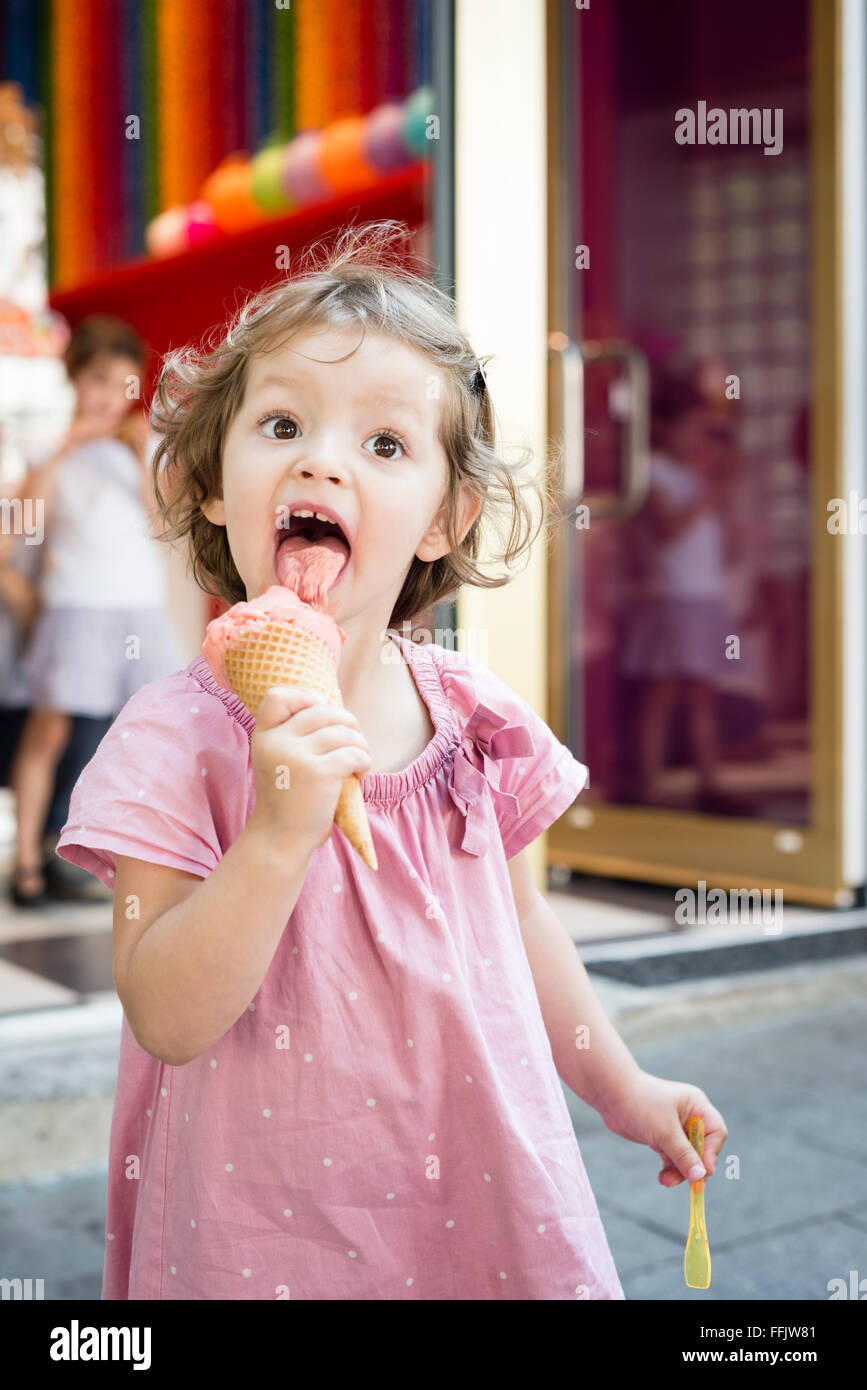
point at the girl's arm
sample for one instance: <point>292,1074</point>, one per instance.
<point>190,953</point>
<point>567,998</point>
<point>593,1059</point>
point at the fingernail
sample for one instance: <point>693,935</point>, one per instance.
<point>696,1174</point>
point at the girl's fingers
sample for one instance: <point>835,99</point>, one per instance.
<point>306,709</point>
<point>345,762</point>
<point>280,703</point>
<point>679,1153</point>
<point>342,762</point>
<point>681,1158</point>
<point>320,716</point>
<point>336,736</point>
<point>715,1135</point>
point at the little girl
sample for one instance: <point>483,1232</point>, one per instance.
<point>336,1083</point>
<point>676,637</point>
<point>102,630</point>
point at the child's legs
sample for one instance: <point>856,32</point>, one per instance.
<point>655,718</point>
<point>45,735</point>
<point>701,711</point>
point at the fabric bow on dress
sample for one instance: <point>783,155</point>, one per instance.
<point>487,738</point>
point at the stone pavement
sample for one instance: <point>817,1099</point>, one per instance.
<point>792,1093</point>
<point>780,1053</point>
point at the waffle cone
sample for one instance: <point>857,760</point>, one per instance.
<point>275,653</point>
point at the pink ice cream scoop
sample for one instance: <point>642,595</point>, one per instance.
<point>306,576</point>
<point>277,604</point>
<point>283,638</point>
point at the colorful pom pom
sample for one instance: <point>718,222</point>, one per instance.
<point>341,158</point>
<point>229,190</point>
<point>384,145</point>
<point>302,175</point>
<point>417,110</point>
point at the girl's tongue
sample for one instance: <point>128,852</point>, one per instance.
<point>310,568</point>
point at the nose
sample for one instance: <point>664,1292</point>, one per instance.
<point>320,473</point>
<point>324,466</point>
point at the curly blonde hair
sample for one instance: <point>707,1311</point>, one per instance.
<point>364,278</point>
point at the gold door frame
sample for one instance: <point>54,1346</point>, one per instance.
<point>806,862</point>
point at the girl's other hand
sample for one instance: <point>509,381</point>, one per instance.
<point>134,431</point>
<point>652,1111</point>
<point>303,750</point>
<point>81,430</point>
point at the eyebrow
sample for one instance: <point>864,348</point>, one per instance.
<point>384,398</point>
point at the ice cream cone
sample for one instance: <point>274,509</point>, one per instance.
<point>264,654</point>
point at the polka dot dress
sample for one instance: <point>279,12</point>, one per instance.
<point>384,1119</point>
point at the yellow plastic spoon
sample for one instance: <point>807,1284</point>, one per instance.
<point>696,1259</point>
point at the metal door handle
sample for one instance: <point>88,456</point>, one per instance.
<point>571,404</point>
<point>572,359</point>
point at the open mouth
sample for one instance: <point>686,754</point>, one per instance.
<point>303,532</point>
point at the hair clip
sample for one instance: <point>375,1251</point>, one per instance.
<point>478,384</point>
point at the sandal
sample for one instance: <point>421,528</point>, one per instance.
<point>20,875</point>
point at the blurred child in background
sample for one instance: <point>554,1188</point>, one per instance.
<point>102,629</point>
<point>677,634</point>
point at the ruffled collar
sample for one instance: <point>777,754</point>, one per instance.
<point>378,787</point>
<point>472,752</point>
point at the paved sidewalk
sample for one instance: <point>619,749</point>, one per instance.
<point>780,1056</point>
<point>793,1213</point>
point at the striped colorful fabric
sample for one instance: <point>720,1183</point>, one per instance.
<point>343,86</point>
<point>231,117</point>
<point>46,89</point>
<point>205,78</point>
<point>103,147</point>
<point>151,117</point>
<point>283,73</point>
<point>371,66</point>
<point>312,37</point>
<point>19,45</point>
<point>396,46</point>
<point>184,99</point>
<point>132,136</point>
<point>421,74</point>
<point>202,43</point>
<point>67,79</point>
<point>258,72</point>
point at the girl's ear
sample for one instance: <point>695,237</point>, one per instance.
<point>435,543</point>
<point>215,511</point>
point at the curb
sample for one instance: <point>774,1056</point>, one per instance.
<point>657,1014</point>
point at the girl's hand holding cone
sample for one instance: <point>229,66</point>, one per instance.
<point>303,750</point>
<point>283,640</point>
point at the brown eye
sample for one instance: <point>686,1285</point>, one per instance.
<point>282,425</point>
<point>390,441</point>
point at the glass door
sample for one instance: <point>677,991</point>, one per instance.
<point>694,651</point>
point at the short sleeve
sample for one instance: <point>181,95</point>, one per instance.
<point>544,783</point>
<point>167,784</point>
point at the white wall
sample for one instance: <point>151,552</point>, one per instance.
<point>500,273</point>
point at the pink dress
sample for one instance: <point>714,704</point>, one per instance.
<point>384,1120</point>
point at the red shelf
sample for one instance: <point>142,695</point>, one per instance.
<point>174,301</point>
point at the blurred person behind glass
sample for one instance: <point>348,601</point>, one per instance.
<point>675,633</point>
